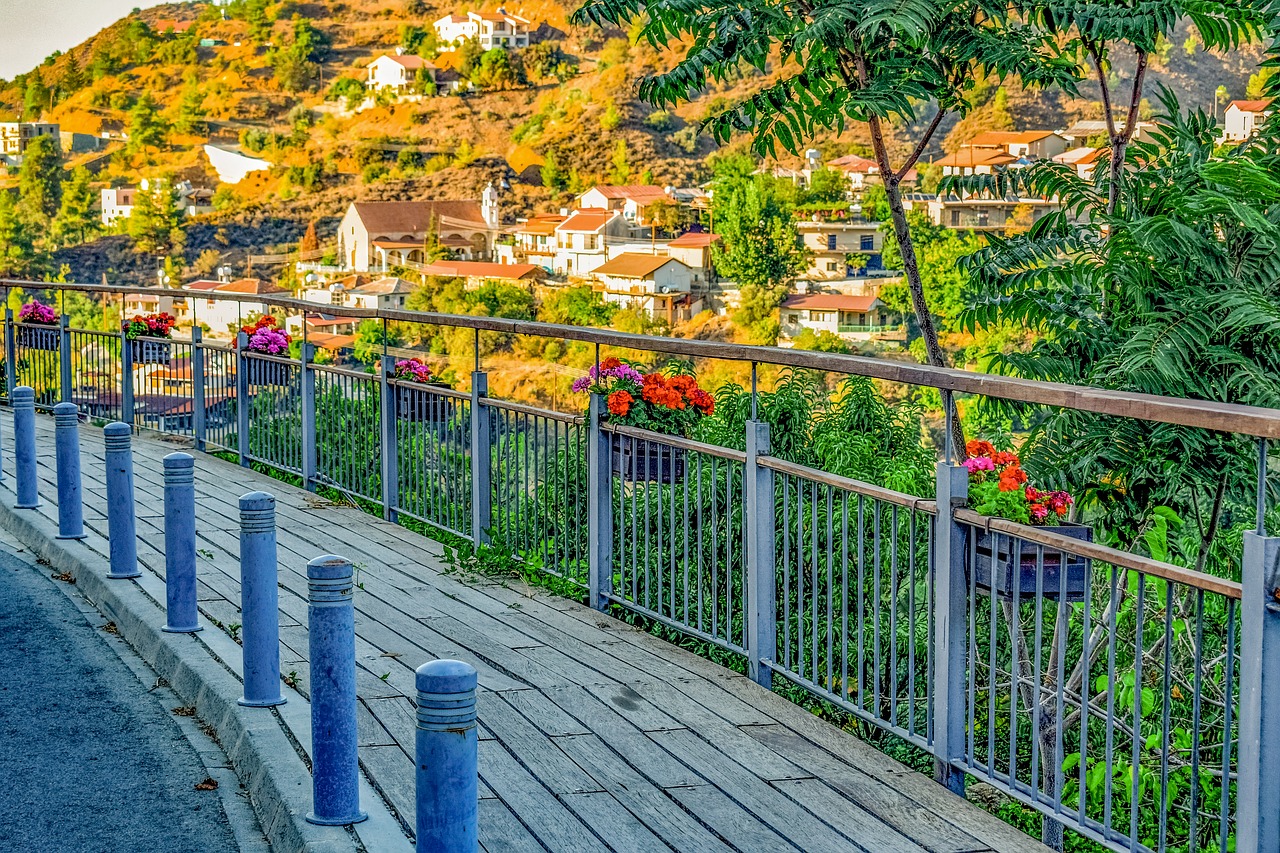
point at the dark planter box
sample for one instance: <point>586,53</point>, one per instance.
<point>44,338</point>
<point>420,406</point>
<point>639,461</point>
<point>1077,568</point>
<point>261,372</point>
<point>149,351</point>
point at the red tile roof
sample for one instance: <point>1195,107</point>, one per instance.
<point>642,194</point>
<point>976,157</point>
<point>409,217</point>
<point>634,265</point>
<point>589,219</point>
<point>695,240</point>
<point>481,269</point>
<point>249,285</point>
<point>1005,137</point>
<point>1252,106</point>
<point>831,302</point>
<point>409,61</point>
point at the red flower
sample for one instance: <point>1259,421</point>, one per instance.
<point>611,363</point>
<point>980,448</point>
<point>620,403</point>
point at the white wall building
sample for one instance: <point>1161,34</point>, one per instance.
<point>582,240</point>
<point>657,285</point>
<point>855,317</point>
<point>377,235</point>
<point>15,136</point>
<point>831,243</point>
<point>223,317</point>
<point>397,71</point>
<point>1031,144</point>
<point>491,29</point>
<point>1242,118</point>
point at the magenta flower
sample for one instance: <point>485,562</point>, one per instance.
<point>37,312</point>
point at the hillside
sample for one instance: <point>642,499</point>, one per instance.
<point>280,80</point>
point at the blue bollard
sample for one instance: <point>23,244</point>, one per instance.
<point>180,544</point>
<point>331,618</point>
<point>66,445</point>
<point>446,754</point>
<point>23,400</point>
<point>259,601</point>
<point>122,526</point>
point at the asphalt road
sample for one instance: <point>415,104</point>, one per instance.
<point>90,759</point>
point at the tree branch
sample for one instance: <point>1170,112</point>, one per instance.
<point>922,144</point>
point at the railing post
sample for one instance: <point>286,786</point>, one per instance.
<point>1258,794</point>
<point>950,637</point>
<point>23,401</point>
<point>331,633</point>
<point>390,458</point>
<point>198,410</point>
<point>599,507</point>
<point>762,607</point>
<point>242,399</point>
<point>66,445</point>
<point>64,357</point>
<point>10,353</point>
<point>481,460</point>
<point>181,615</point>
<point>126,380</point>
<point>307,379</point>
<point>446,752</point>
<point>122,525</point>
<point>259,601</point>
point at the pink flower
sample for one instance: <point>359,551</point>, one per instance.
<point>978,463</point>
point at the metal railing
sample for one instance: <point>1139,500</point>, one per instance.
<point>1119,696</point>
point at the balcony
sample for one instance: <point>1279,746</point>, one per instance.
<point>1065,673</point>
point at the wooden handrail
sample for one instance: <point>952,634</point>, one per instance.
<point>1203,414</point>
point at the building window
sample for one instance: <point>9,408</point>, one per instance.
<point>832,266</point>
<point>867,243</point>
<point>831,242</point>
<point>589,242</point>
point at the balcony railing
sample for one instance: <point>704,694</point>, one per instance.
<point>858,328</point>
<point>1131,700</point>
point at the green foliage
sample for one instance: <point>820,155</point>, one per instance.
<point>620,173</point>
<point>372,337</point>
<point>611,118</point>
<point>940,252</point>
<point>78,214</point>
<point>16,248</point>
<point>820,342</point>
<point>146,128</point>
<point>296,63</point>
<point>40,180</point>
<point>349,89</point>
<point>156,222</point>
<point>826,185</point>
<point>553,177</point>
<point>546,60</point>
<point>576,306</point>
<point>875,204</point>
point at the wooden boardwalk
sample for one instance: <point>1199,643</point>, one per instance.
<point>594,736</point>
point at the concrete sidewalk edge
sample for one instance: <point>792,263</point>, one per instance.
<point>278,781</point>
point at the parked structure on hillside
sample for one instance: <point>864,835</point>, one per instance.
<point>490,29</point>
<point>398,72</point>
<point>853,317</point>
<point>660,287</point>
<point>375,235</point>
<point>477,273</point>
<point>1242,119</point>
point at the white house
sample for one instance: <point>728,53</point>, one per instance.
<point>1083,159</point>
<point>397,71</point>
<point>117,203</point>
<point>15,136</point>
<point>582,240</point>
<point>532,241</point>
<point>983,212</point>
<point>693,249</point>
<point>223,317</point>
<point>375,235</point>
<point>1242,118</point>
<point>837,313</point>
<point>1029,144</point>
<point>860,171</point>
<point>831,243</point>
<point>632,200</point>
<point>657,285</point>
<point>491,29</point>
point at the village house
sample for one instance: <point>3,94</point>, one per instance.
<point>477,273</point>
<point>532,241</point>
<point>224,317</point>
<point>861,172</point>
<point>377,235</point>
<point>397,72</point>
<point>659,286</point>
<point>118,202</point>
<point>833,245</point>
<point>852,317</point>
<point>693,249</point>
<point>984,212</point>
<point>389,292</point>
<point>582,240</point>
<point>975,161</point>
<point>1241,119</point>
<point>490,29</point>
<point>1083,159</point>
<point>15,136</point>
<point>1022,144</point>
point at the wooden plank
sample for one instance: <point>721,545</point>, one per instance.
<point>534,749</point>
<point>730,821</point>
<point>557,828</point>
<point>615,825</point>
<point>398,717</point>
<point>644,800</point>
<point>392,773</point>
<point>634,708</point>
<point>370,732</point>
<point>820,799</point>
<point>502,832</point>
<point>757,797</point>
<point>535,707</point>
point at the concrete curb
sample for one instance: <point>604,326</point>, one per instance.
<point>277,778</point>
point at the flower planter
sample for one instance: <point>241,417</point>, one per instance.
<point>639,461</point>
<point>149,351</point>
<point>42,338</point>
<point>1077,568</point>
<point>262,372</point>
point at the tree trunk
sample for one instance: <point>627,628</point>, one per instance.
<point>937,358</point>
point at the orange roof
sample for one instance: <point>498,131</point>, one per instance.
<point>1252,106</point>
<point>999,138</point>
<point>481,269</point>
<point>854,163</point>
<point>977,157</point>
<point>831,302</point>
<point>203,284</point>
<point>589,219</point>
<point>545,224</point>
<point>1080,156</point>
<point>634,265</point>
<point>695,240</point>
<point>642,194</point>
<point>407,60</point>
<point>249,285</point>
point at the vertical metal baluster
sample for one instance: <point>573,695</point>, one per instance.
<point>687,596</point>
<point>701,576</point>
<point>728,550</point>
<point>875,607</point>
<point>971,734</point>
<point>1034,708</point>
<point>1228,703</point>
<point>715,549</point>
<point>1086,687</point>
<point>893,615</point>
<point>1136,739</point>
<point>862,600</point>
<point>1111,700</point>
<point>675,532</point>
<point>814,649</point>
<point>786,570</point>
<point>1061,628</point>
<point>911,621</point>
<point>1193,833</point>
<point>830,549</point>
<point>1164,721</point>
<point>800,578</point>
<point>844,595</point>
<point>1015,633</point>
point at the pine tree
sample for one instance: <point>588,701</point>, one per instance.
<point>15,240</point>
<point>310,241</point>
<point>621,171</point>
<point>78,215</point>
<point>40,180</point>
